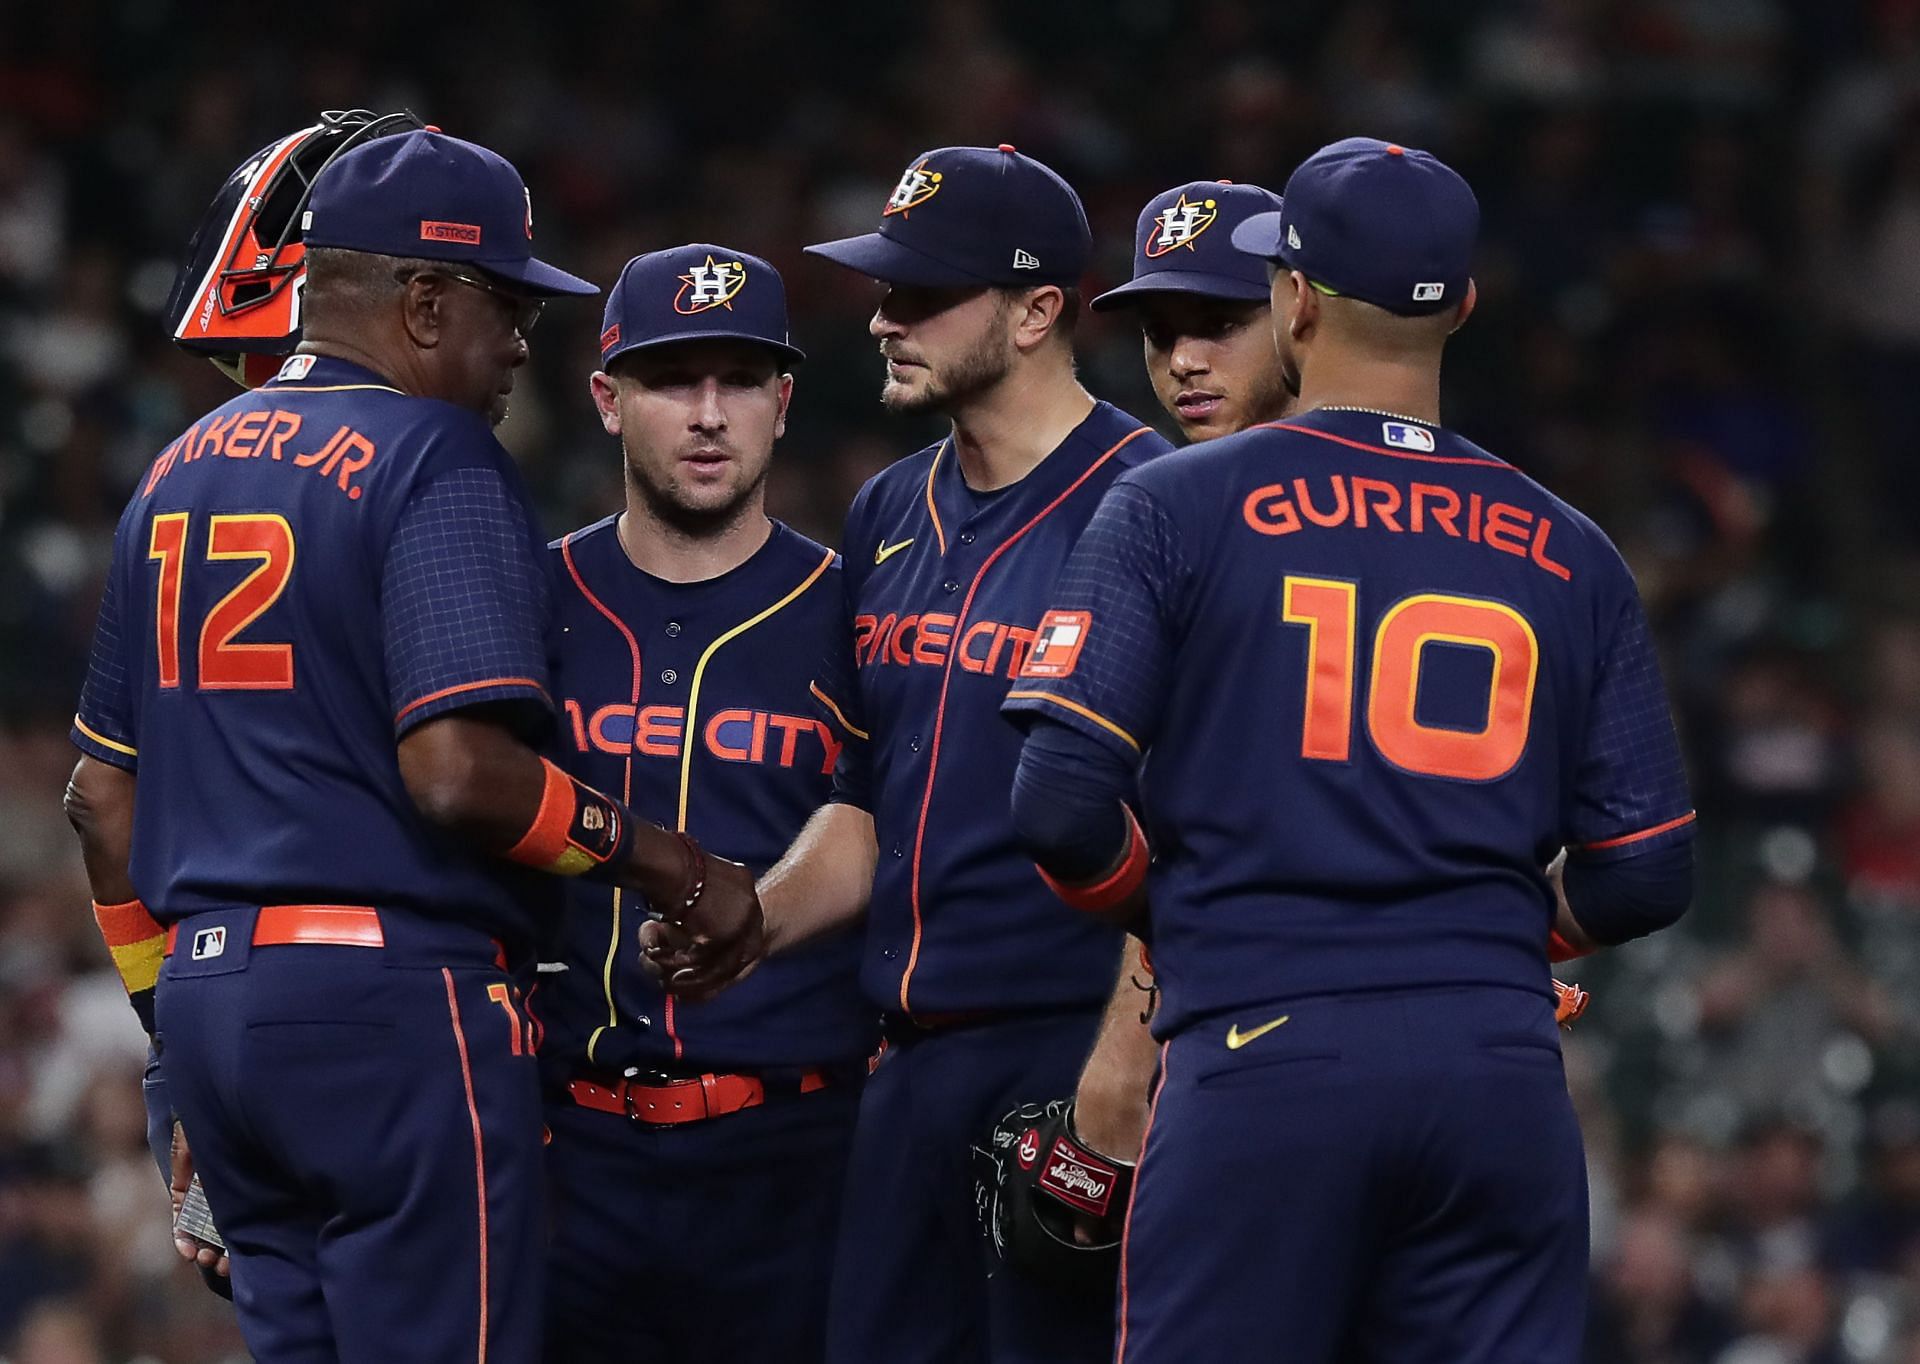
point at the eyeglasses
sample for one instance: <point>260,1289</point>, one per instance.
<point>526,311</point>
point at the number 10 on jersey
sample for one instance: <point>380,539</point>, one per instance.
<point>1327,608</point>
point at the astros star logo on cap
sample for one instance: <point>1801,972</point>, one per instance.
<point>1179,223</point>
<point>916,186</point>
<point>712,285</point>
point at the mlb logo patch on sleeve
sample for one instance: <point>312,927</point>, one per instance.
<point>1056,647</point>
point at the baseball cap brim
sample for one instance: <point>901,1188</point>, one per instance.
<point>1180,282</point>
<point>1259,236</point>
<point>880,257</point>
<point>537,277</point>
<point>792,355</point>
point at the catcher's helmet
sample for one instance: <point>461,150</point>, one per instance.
<point>236,299</point>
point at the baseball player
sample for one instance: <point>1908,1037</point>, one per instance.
<point>1213,359</point>
<point>992,994</point>
<point>698,1149</point>
<point>307,782</point>
<point>1377,677</point>
<point>1207,333</point>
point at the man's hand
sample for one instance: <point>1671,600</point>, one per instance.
<point>209,1258</point>
<point>717,943</point>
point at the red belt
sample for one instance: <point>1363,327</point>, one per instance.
<point>332,925</point>
<point>319,925</point>
<point>667,1103</point>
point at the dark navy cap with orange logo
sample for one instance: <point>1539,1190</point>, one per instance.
<point>972,217</point>
<point>1183,244</point>
<point>429,196</point>
<point>700,292</point>
<point>1386,224</point>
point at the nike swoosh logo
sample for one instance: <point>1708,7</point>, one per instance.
<point>887,551</point>
<point>1237,1039</point>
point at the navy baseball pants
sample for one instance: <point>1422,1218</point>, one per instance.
<point>910,1284</point>
<point>1393,1177</point>
<point>711,1241</point>
<point>367,1125</point>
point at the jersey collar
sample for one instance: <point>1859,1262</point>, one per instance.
<point>325,371</point>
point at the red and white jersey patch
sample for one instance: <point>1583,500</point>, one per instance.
<point>1057,644</point>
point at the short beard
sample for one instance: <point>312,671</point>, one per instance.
<point>970,375</point>
<point>1273,393</point>
<point>695,523</point>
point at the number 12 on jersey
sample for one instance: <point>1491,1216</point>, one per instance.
<point>223,664</point>
<point>1327,607</point>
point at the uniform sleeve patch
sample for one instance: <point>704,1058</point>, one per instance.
<point>1057,645</point>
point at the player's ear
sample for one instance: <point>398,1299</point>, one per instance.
<point>606,400</point>
<point>786,399</point>
<point>1302,309</point>
<point>1466,307</point>
<point>1035,317</point>
<point>421,300</point>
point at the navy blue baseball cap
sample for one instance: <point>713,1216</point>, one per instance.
<point>696,293</point>
<point>429,196</point>
<point>1379,222</point>
<point>972,217</point>
<point>1183,244</point>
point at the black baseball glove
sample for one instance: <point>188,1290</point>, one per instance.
<point>1048,1205</point>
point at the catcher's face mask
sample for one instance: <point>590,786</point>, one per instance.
<point>237,298</point>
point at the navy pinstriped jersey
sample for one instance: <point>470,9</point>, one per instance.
<point>943,588</point>
<point>1379,678</point>
<point>303,577</point>
<point>690,701</point>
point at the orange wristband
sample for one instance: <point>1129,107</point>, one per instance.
<point>137,943</point>
<point>576,829</point>
<point>1114,888</point>
<point>1559,949</point>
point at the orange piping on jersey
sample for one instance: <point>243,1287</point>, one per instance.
<point>483,683</point>
<point>933,511</point>
<point>1625,839</point>
<point>1077,709</point>
<point>626,789</point>
<point>1382,450</point>
<point>479,1151</point>
<point>838,714</point>
<point>104,741</point>
<point>946,680</point>
<point>1126,1223</point>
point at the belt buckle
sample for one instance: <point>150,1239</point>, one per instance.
<point>658,1079</point>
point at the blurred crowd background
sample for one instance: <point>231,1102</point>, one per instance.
<point>1699,319</point>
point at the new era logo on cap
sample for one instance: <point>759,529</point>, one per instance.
<point>1025,260</point>
<point>1293,237</point>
